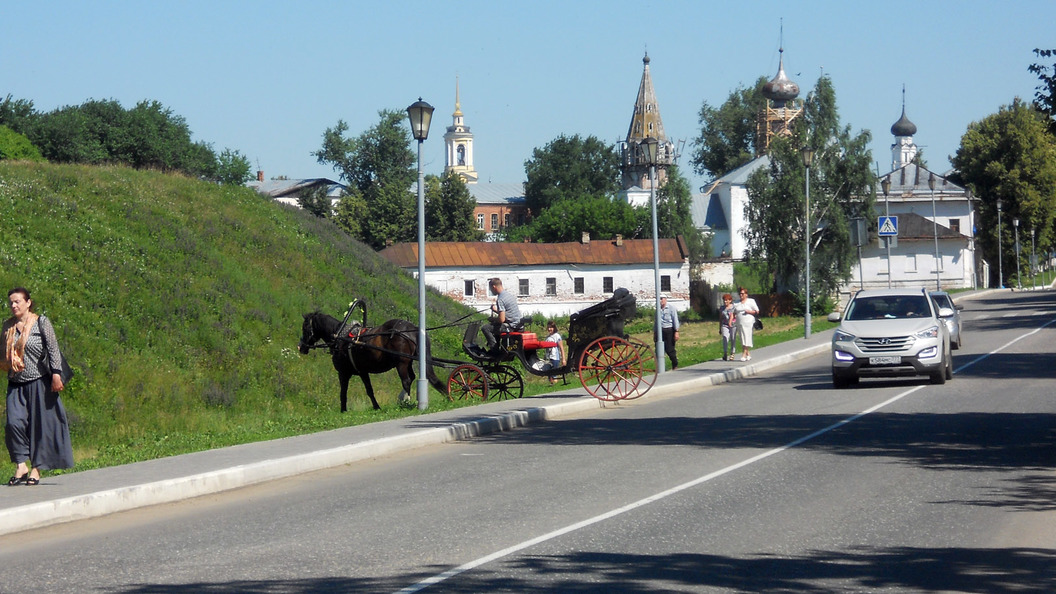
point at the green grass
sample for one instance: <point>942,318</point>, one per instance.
<point>179,305</point>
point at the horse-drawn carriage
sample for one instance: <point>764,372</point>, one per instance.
<point>610,364</point>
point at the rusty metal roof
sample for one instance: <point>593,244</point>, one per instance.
<point>455,254</point>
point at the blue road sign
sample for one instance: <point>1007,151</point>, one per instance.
<point>888,226</point>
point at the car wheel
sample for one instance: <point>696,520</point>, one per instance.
<point>939,377</point>
<point>949,368</point>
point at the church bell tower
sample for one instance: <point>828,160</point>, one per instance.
<point>459,144</point>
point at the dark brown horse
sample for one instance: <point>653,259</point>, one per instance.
<point>363,351</point>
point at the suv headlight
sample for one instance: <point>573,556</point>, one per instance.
<point>841,336</point>
<point>932,332</point>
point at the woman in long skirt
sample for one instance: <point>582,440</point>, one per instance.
<point>37,434</point>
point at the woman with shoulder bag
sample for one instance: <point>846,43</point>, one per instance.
<point>747,310</point>
<point>37,434</point>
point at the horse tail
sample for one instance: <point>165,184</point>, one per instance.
<point>430,371</point>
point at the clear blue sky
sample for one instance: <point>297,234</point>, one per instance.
<point>267,77</point>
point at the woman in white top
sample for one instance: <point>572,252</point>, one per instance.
<point>747,309</point>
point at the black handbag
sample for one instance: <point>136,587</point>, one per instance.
<point>758,325</point>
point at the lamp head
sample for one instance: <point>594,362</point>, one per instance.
<point>808,156</point>
<point>885,185</point>
<point>931,182</point>
<point>650,147</point>
<point>420,113</point>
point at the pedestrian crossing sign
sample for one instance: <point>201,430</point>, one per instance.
<point>887,226</point>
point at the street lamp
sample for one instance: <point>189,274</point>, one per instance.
<point>808,158</point>
<point>935,231</point>
<point>1000,264</point>
<point>1019,283</point>
<point>421,113</point>
<point>1033,262</point>
<point>885,185</point>
<point>650,146</point>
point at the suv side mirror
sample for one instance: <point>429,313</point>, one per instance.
<point>945,312</point>
<point>834,316</point>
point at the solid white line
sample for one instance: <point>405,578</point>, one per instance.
<point>436,579</point>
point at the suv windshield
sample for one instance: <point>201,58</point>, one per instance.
<point>889,307</point>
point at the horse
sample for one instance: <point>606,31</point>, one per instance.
<point>362,351</point>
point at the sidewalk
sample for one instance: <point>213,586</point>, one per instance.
<point>93,493</point>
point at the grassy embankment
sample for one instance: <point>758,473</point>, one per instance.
<point>179,305</point>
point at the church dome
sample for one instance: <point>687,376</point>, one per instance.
<point>780,89</point>
<point>903,127</point>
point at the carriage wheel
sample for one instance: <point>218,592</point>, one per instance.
<point>610,369</point>
<point>467,381</point>
<point>649,367</point>
<point>505,382</point>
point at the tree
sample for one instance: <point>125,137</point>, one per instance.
<point>449,210</point>
<point>1045,96</point>
<point>17,114</point>
<point>570,167</point>
<point>566,220</point>
<point>727,134</point>
<point>316,201</point>
<point>841,188</point>
<point>1011,156</point>
<point>379,164</point>
<point>233,168</point>
<point>17,147</point>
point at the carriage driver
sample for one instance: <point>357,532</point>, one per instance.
<point>507,313</point>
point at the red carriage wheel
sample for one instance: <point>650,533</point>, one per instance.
<point>610,369</point>
<point>467,381</point>
<point>649,367</point>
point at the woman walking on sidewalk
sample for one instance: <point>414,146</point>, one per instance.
<point>747,310</point>
<point>37,434</point>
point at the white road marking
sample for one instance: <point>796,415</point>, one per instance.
<point>436,579</point>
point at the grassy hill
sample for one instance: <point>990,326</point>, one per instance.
<point>179,305</point>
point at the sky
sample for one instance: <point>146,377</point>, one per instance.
<point>268,77</point>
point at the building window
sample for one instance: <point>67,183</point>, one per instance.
<point>494,221</point>
<point>506,219</point>
<point>606,284</point>
<point>578,283</point>
<point>551,286</point>
<point>469,291</point>
<point>911,262</point>
<point>522,287</point>
<point>955,225</point>
<point>480,221</point>
<point>665,282</point>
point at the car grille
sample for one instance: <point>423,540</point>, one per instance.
<point>887,344</point>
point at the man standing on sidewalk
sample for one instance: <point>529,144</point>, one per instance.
<point>669,329</point>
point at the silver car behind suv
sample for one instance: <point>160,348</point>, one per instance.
<point>891,333</point>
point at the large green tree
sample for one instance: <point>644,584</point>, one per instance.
<point>727,133</point>
<point>1011,156</point>
<point>841,188</point>
<point>1045,95</point>
<point>379,168</point>
<point>601,216</point>
<point>570,167</point>
<point>449,210</point>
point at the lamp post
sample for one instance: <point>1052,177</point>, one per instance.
<point>650,145</point>
<point>808,158</point>
<point>1000,264</point>
<point>935,232</point>
<point>886,187</point>
<point>1019,283</point>
<point>1033,262</point>
<point>420,114</point>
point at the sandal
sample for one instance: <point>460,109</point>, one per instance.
<point>17,480</point>
<point>30,481</point>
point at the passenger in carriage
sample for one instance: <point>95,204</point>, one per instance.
<point>507,313</point>
<point>555,354</point>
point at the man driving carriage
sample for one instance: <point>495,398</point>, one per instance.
<point>507,313</point>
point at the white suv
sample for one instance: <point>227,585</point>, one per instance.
<point>891,333</point>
